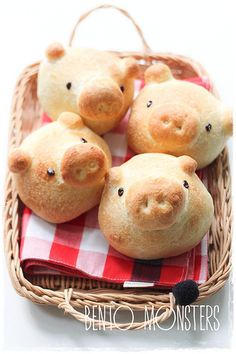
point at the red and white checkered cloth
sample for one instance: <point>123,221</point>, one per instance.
<point>79,248</point>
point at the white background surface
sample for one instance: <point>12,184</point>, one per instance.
<point>202,29</point>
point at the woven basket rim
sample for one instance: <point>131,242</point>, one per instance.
<point>68,298</point>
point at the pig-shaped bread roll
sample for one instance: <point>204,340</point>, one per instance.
<point>179,118</point>
<point>155,206</point>
<point>99,86</point>
<point>59,170</point>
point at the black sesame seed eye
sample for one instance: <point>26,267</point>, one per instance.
<point>83,140</point>
<point>208,127</point>
<point>122,88</point>
<point>149,104</point>
<point>120,192</point>
<point>51,171</point>
<point>68,85</point>
<point>185,184</point>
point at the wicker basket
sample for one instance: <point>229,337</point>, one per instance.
<point>72,294</point>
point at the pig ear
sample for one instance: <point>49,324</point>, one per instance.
<point>228,122</point>
<point>70,120</point>
<point>114,176</point>
<point>55,51</point>
<point>19,161</point>
<point>131,67</point>
<point>188,164</point>
<point>158,73</point>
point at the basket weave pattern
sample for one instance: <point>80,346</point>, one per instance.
<point>71,293</point>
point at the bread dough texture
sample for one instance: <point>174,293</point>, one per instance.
<point>59,170</point>
<point>99,86</point>
<point>155,206</point>
<point>179,118</point>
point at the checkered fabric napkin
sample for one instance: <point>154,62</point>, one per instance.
<point>79,248</point>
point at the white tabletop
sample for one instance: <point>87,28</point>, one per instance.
<point>199,29</point>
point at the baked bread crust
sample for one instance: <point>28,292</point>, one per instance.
<point>164,208</point>
<point>59,170</point>
<point>99,86</point>
<point>178,118</point>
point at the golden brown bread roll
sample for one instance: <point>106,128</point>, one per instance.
<point>155,206</point>
<point>99,86</point>
<point>59,169</point>
<point>178,118</point>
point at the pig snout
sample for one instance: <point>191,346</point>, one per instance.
<point>174,124</point>
<point>155,204</point>
<point>83,164</point>
<point>100,100</point>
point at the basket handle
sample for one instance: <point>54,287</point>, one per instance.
<point>146,47</point>
<point>165,313</point>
